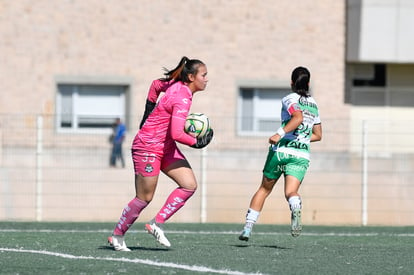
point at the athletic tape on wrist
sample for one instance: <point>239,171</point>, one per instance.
<point>281,132</point>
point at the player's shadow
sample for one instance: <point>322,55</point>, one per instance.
<point>275,247</point>
<point>265,246</point>
<point>149,248</point>
<point>137,248</point>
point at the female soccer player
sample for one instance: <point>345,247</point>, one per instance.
<point>289,152</point>
<point>154,149</point>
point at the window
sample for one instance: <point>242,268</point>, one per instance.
<point>82,106</point>
<point>371,75</point>
<point>368,84</point>
<point>380,84</point>
<point>259,110</point>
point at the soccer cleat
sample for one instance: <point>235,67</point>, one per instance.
<point>156,231</point>
<point>245,235</point>
<point>118,243</point>
<point>296,223</point>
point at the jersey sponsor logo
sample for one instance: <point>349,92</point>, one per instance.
<point>283,155</point>
<point>185,100</point>
<point>305,102</point>
<point>292,167</point>
<point>297,145</point>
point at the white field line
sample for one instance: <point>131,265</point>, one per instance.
<point>326,234</point>
<point>194,268</point>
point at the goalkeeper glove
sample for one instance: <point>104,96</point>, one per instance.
<point>204,140</point>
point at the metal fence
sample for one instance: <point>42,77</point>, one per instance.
<point>360,174</point>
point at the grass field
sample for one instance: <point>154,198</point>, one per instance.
<point>81,248</point>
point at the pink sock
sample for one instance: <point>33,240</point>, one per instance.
<point>174,202</point>
<point>129,215</point>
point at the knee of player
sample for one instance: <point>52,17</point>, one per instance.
<point>191,186</point>
<point>291,194</point>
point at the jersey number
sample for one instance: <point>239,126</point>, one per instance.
<point>148,157</point>
<point>303,130</point>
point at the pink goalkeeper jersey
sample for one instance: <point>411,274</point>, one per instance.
<point>166,122</point>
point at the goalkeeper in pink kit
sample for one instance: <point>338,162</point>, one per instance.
<point>154,149</point>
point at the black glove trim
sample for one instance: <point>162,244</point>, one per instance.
<point>204,140</point>
<point>149,106</point>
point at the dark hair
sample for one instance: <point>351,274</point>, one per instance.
<point>185,67</point>
<point>300,81</point>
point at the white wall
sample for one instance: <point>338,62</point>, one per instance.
<point>381,31</point>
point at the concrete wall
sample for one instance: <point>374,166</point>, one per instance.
<point>261,41</point>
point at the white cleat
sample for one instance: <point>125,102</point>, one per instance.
<point>118,243</point>
<point>158,233</point>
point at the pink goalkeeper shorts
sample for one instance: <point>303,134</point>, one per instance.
<point>149,163</point>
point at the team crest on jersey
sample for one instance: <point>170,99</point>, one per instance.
<point>149,168</point>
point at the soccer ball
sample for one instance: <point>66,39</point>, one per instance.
<point>197,124</point>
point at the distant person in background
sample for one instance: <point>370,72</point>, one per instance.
<point>155,150</point>
<point>289,152</point>
<point>117,138</point>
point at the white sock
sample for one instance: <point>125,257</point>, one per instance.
<point>251,218</point>
<point>295,202</point>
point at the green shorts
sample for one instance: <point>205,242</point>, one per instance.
<point>278,163</point>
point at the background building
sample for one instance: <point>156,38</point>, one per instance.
<point>69,68</point>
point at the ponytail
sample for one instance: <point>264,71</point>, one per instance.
<point>300,81</point>
<point>185,67</point>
